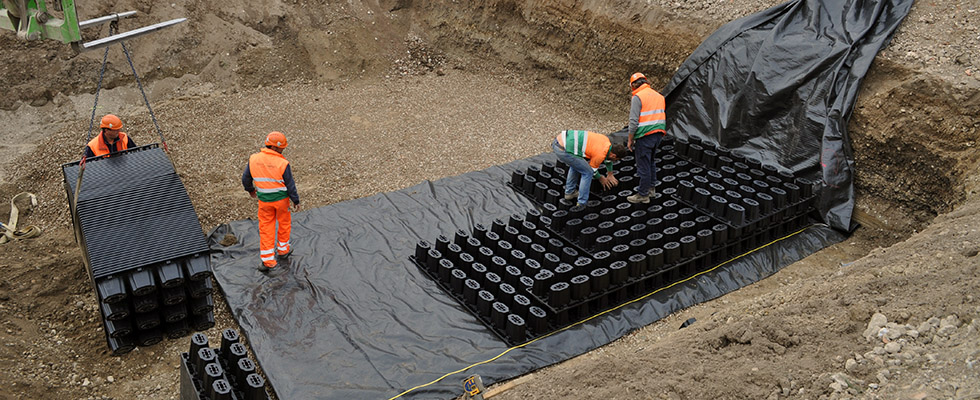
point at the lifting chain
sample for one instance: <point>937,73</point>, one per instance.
<point>98,87</point>
<point>113,27</point>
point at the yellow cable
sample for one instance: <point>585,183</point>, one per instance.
<point>599,314</point>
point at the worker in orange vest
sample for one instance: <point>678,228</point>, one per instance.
<point>268,178</point>
<point>647,125</point>
<point>584,152</point>
<point>110,140</point>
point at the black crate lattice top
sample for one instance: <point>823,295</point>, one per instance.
<point>133,211</point>
<point>532,274</point>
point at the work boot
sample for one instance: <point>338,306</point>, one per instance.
<point>286,254</point>
<point>652,191</point>
<point>265,268</point>
<point>637,198</point>
<point>571,196</point>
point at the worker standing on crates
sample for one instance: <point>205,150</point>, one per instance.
<point>110,140</point>
<point>647,125</point>
<point>268,178</point>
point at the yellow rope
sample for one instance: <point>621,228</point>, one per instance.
<point>597,315</point>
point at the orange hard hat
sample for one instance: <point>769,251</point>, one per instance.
<point>111,121</point>
<point>276,139</point>
<point>636,76</point>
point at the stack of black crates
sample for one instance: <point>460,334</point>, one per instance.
<point>224,373</point>
<point>140,306</point>
<point>552,266</point>
<point>144,248</point>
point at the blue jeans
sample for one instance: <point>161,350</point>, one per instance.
<point>579,172</point>
<point>646,168</point>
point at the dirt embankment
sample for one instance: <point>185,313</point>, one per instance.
<point>319,69</point>
<point>915,139</point>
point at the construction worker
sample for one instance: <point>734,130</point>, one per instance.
<point>268,178</point>
<point>647,125</point>
<point>584,152</point>
<point>110,140</point>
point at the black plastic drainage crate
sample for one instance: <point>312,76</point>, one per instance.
<point>535,273</point>
<point>143,247</point>
<point>225,373</point>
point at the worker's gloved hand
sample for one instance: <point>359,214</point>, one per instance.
<point>606,184</point>
<point>294,208</point>
<point>612,180</point>
<point>252,193</point>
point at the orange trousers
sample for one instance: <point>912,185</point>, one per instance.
<point>269,214</point>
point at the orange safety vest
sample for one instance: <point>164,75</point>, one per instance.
<point>99,148</point>
<point>591,146</point>
<point>653,117</point>
<point>267,168</point>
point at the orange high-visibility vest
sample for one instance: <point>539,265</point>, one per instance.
<point>98,146</point>
<point>267,168</point>
<point>653,117</point>
<point>591,146</point>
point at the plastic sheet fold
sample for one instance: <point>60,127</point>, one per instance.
<point>780,85</point>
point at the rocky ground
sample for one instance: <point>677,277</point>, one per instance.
<point>886,314</point>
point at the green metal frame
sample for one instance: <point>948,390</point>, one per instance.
<point>41,24</point>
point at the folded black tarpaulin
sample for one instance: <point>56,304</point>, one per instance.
<point>351,317</point>
<point>780,86</point>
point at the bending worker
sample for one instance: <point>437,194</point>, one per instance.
<point>584,152</point>
<point>110,140</point>
<point>647,125</point>
<point>272,178</point>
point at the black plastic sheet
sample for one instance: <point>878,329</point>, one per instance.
<point>351,317</point>
<point>780,85</point>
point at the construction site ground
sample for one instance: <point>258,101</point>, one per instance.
<point>379,95</point>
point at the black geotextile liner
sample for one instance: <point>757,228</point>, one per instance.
<point>351,317</point>
<point>133,211</point>
<point>780,85</point>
